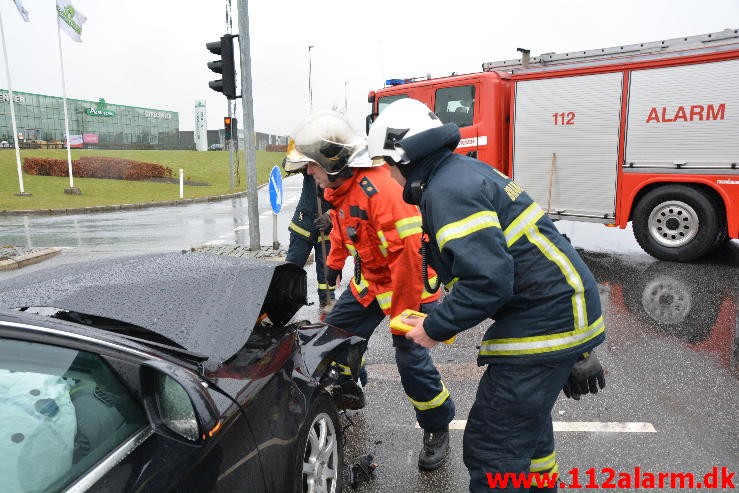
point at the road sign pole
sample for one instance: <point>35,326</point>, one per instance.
<point>275,200</point>
<point>247,100</point>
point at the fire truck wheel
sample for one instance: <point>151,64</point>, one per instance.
<point>722,235</point>
<point>676,222</point>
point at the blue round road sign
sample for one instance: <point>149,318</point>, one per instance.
<point>275,189</point>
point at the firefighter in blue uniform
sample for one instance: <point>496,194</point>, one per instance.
<point>309,228</point>
<point>502,258</point>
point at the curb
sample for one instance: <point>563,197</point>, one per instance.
<point>124,207</point>
<point>29,258</point>
<point>231,250</point>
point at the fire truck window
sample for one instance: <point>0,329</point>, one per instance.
<point>456,105</point>
<point>383,102</point>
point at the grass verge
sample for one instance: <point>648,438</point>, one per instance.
<point>48,192</point>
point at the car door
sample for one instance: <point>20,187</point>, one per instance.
<point>75,418</point>
<point>67,417</point>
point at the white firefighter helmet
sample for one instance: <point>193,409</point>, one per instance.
<point>327,139</point>
<point>294,161</point>
<point>401,119</point>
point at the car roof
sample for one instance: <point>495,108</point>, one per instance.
<point>208,304</point>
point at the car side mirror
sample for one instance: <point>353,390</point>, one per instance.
<point>177,402</point>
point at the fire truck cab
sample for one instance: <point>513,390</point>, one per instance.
<point>645,133</point>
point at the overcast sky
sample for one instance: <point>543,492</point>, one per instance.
<point>152,53</point>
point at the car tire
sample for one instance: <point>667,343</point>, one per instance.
<point>676,222</point>
<point>320,453</point>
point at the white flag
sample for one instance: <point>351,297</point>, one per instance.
<point>70,19</point>
<point>22,10</point>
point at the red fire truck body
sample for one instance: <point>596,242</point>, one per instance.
<point>651,138</point>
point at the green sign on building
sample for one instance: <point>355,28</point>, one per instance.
<point>101,110</point>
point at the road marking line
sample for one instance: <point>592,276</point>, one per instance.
<point>601,427</point>
<point>591,426</point>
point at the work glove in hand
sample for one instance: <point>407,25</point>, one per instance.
<point>323,222</point>
<point>586,377</point>
<point>333,277</point>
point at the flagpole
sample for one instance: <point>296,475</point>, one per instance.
<point>71,188</point>
<point>12,111</point>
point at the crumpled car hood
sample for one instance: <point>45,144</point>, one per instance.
<point>208,304</point>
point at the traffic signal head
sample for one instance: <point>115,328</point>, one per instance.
<point>225,66</point>
<point>227,128</point>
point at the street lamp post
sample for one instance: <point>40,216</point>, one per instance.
<point>310,87</point>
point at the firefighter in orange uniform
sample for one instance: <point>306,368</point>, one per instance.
<point>373,224</point>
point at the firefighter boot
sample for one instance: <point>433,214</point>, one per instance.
<point>435,449</point>
<point>350,395</point>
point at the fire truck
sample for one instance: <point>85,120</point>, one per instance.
<point>645,133</point>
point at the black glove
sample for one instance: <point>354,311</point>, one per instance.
<point>323,222</point>
<point>586,377</point>
<point>332,276</point>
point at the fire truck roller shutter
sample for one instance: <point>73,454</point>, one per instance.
<point>685,114</point>
<point>578,119</point>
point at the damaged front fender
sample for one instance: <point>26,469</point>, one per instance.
<point>321,343</point>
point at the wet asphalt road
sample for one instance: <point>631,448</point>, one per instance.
<point>671,351</point>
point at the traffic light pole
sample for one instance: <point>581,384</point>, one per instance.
<point>249,137</point>
<point>231,150</point>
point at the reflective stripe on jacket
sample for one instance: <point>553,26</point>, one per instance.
<point>388,239</point>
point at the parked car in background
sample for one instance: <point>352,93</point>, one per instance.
<point>215,147</point>
<point>176,372</point>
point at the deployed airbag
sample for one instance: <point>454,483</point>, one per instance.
<point>37,430</point>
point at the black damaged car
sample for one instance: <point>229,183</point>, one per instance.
<point>176,372</point>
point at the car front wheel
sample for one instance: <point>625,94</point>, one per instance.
<point>320,450</point>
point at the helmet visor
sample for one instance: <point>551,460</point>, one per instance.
<point>294,160</point>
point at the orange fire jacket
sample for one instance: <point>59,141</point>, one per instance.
<point>387,241</point>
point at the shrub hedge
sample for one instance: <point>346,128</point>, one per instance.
<point>97,167</point>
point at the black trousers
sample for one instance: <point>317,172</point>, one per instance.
<point>509,428</point>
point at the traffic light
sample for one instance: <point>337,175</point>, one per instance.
<point>227,128</point>
<point>225,66</point>
<point>235,131</point>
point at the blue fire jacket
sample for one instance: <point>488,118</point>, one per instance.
<point>501,256</point>
<point>307,211</point>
